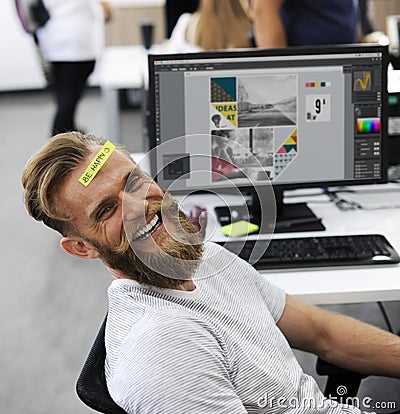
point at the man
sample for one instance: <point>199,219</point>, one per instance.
<point>281,23</point>
<point>191,327</point>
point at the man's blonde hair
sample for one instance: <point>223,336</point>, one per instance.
<point>48,169</point>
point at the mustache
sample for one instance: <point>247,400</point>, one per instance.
<point>165,206</point>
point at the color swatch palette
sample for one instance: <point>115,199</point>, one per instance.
<point>368,125</point>
<point>317,84</point>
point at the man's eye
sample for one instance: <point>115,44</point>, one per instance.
<point>106,211</point>
<point>131,183</point>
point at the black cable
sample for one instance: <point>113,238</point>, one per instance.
<point>385,317</point>
<point>341,203</point>
<point>348,205</point>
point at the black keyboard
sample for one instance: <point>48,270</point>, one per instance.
<point>354,250</point>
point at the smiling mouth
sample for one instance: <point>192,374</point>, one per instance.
<point>148,229</point>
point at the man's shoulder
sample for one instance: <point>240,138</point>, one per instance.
<point>220,259</point>
<point>155,323</point>
<point>218,252</point>
<point>168,322</point>
<point>163,333</point>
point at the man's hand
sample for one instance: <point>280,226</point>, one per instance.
<point>198,217</point>
<point>341,340</point>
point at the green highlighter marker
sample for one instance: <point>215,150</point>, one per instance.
<point>239,228</point>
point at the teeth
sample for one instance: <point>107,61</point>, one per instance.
<point>146,229</point>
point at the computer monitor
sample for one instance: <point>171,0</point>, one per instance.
<point>295,118</point>
<point>394,129</point>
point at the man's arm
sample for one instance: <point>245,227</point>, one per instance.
<point>341,340</point>
<point>268,27</point>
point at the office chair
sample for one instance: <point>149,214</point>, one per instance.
<point>91,385</point>
<point>338,378</point>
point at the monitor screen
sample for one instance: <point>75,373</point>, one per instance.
<point>394,129</point>
<point>295,117</point>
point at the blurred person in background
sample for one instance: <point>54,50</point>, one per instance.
<point>281,23</point>
<point>71,41</point>
<point>368,30</point>
<point>217,24</point>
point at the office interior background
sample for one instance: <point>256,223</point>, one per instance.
<point>53,304</point>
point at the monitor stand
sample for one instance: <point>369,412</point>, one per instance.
<point>289,217</point>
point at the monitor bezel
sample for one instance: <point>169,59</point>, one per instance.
<point>289,51</point>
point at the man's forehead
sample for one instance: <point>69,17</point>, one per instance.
<point>114,162</point>
<point>117,165</point>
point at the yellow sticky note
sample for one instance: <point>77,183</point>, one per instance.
<point>97,162</point>
<point>239,228</point>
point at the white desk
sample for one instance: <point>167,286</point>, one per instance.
<point>339,285</point>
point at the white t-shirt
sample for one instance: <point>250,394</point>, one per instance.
<point>74,32</point>
<point>213,350</point>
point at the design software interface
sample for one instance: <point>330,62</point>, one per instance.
<point>299,118</point>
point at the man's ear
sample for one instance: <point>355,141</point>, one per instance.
<point>79,248</point>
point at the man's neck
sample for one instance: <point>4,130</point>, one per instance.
<point>187,285</point>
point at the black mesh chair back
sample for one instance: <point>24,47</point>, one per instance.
<point>91,385</point>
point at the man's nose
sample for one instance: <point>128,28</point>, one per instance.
<point>134,206</point>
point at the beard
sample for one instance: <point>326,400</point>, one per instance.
<point>176,255</point>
